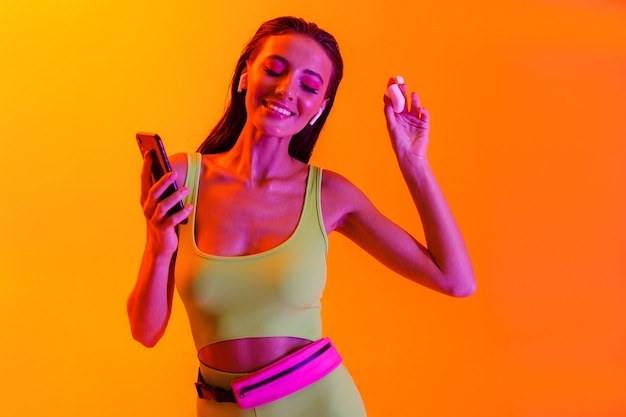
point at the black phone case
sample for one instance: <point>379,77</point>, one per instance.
<point>151,142</point>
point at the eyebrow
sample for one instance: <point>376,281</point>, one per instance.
<point>306,71</point>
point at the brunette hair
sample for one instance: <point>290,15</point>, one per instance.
<point>225,133</point>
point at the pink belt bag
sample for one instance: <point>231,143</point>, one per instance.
<point>287,375</point>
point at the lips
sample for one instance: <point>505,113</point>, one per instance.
<point>278,109</point>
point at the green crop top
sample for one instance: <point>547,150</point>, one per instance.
<point>273,293</point>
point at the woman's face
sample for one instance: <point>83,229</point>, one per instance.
<point>286,84</point>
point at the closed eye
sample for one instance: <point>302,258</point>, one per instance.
<point>271,72</point>
<point>308,88</point>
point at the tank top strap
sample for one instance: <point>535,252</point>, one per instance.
<point>313,207</point>
<point>194,161</point>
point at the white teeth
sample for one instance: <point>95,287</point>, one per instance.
<point>279,110</point>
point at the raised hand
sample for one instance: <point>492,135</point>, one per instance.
<point>409,128</point>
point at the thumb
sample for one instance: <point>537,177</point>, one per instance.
<point>390,115</point>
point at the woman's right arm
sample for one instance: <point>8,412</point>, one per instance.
<point>150,303</point>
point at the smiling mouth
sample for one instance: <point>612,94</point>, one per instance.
<point>277,109</point>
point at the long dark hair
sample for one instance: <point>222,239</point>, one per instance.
<point>225,133</point>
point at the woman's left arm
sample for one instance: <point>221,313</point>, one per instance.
<point>443,264</point>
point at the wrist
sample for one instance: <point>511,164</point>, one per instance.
<point>410,161</point>
<point>159,251</point>
<point>416,171</point>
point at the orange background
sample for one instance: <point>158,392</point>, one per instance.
<point>528,142</point>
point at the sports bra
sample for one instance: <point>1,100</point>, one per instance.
<point>273,293</point>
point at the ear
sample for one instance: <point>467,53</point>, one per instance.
<point>319,113</point>
<point>243,81</point>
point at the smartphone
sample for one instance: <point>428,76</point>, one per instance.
<point>151,142</point>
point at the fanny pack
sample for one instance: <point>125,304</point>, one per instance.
<point>279,379</point>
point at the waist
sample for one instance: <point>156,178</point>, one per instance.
<point>248,354</point>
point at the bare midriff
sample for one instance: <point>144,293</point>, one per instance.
<point>248,354</point>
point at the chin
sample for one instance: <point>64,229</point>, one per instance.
<point>274,129</point>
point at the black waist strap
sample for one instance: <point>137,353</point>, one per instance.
<point>209,392</point>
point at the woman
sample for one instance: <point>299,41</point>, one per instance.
<point>250,263</point>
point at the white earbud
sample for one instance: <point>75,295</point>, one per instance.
<point>317,116</point>
<point>243,80</point>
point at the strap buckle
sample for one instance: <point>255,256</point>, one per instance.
<point>217,394</point>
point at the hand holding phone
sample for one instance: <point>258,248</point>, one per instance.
<point>152,143</point>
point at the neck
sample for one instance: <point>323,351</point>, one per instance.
<point>257,157</point>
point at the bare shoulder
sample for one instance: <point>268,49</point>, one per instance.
<point>178,162</point>
<point>337,185</point>
<point>340,199</point>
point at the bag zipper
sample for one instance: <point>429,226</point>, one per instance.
<point>283,373</point>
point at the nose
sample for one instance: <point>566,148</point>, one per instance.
<point>285,89</point>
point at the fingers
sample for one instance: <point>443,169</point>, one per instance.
<point>146,176</point>
<point>157,203</point>
<point>389,112</point>
<point>162,213</point>
<point>155,194</point>
<point>178,217</point>
<point>158,198</point>
<point>415,102</point>
<point>417,110</point>
<point>149,188</point>
<point>422,115</point>
<point>414,107</point>
<point>396,91</point>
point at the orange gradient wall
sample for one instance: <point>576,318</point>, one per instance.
<point>528,142</point>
